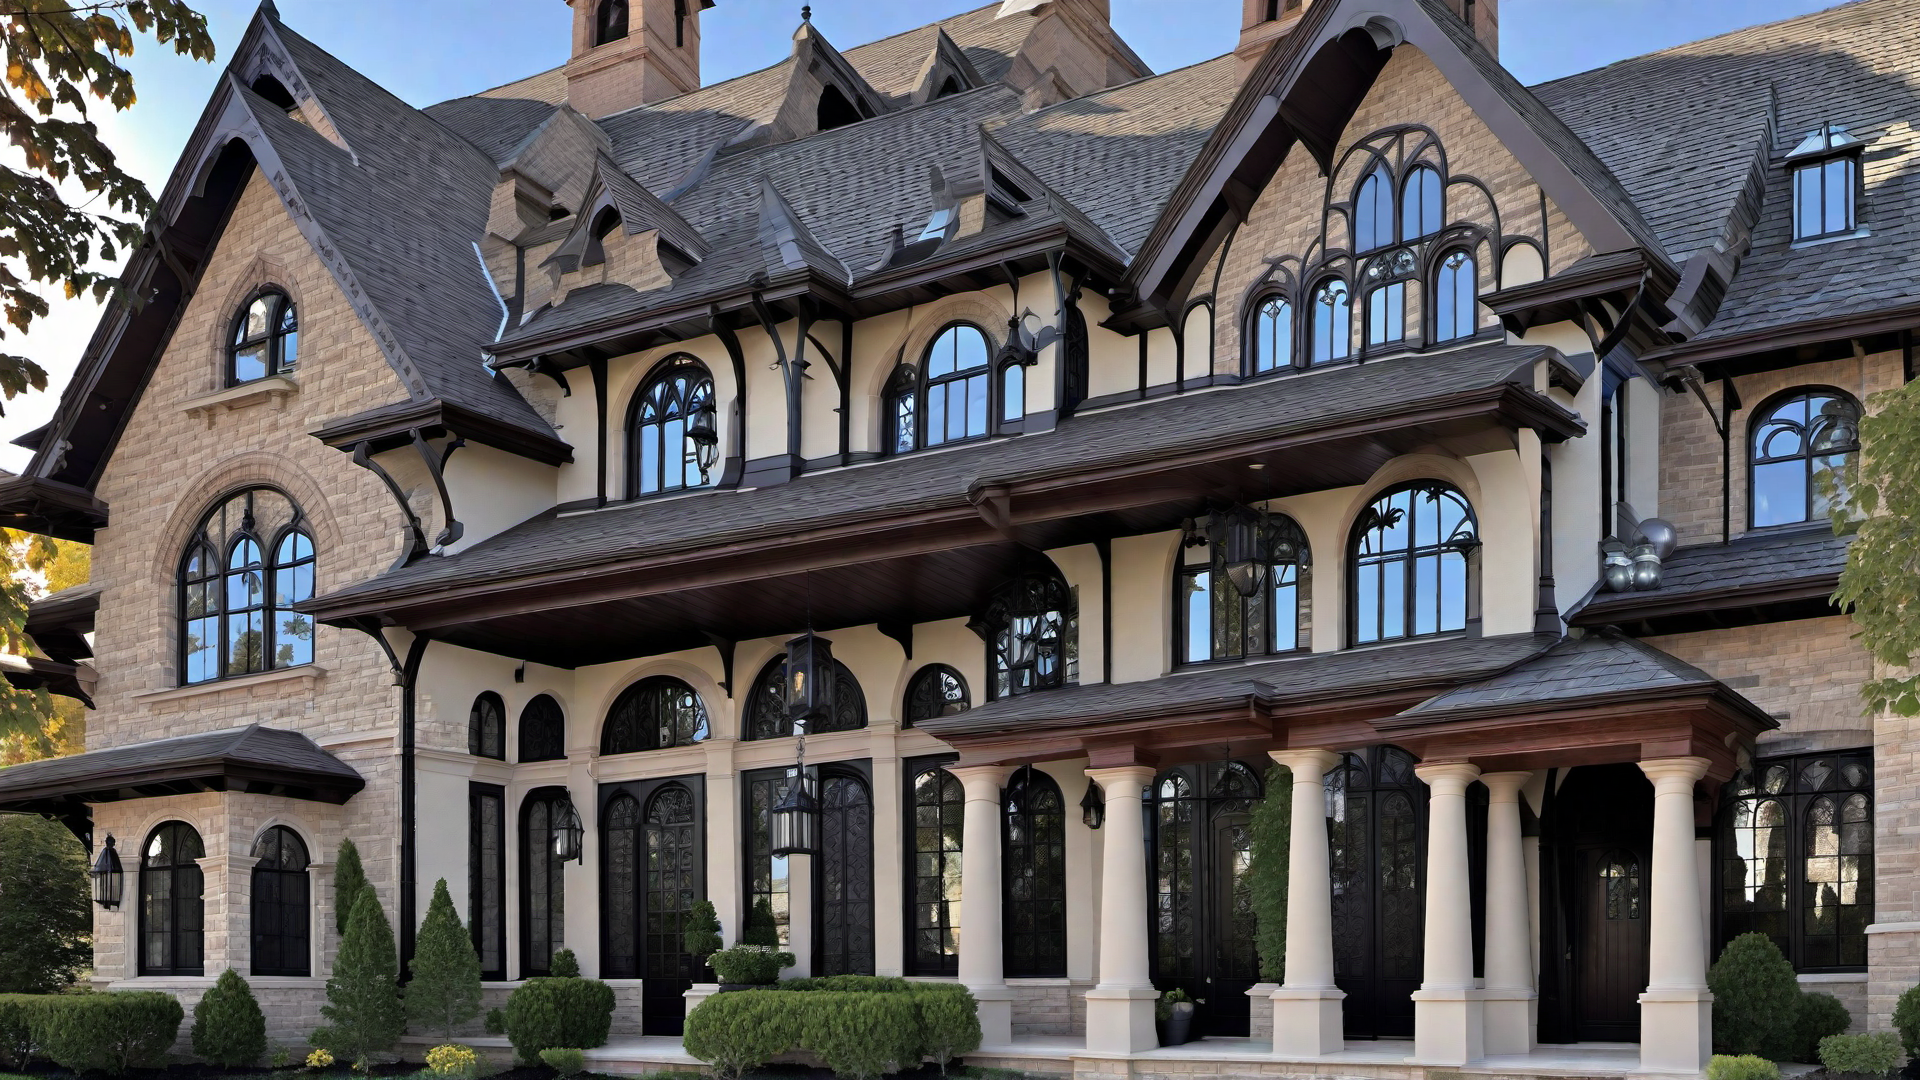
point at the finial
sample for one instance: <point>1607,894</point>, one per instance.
<point>806,13</point>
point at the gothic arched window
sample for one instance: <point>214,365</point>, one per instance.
<point>487,727</point>
<point>767,703</point>
<point>653,714</point>
<point>1421,206</point>
<point>1331,335</point>
<point>934,833</point>
<point>1032,632</point>
<point>281,909</point>
<point>235,600</point>
<point>266,338</point>
<point>1795,857</point>
<point>1213,621</point>
<point>936,690</point>
<point>610,21</point>
<point>543,730</point>
<point>1270,335</point>
<point>1034,817</point>
<point>172,913</point>
<point>1373,211</point>
<point>1455,294</point>
<point>1800,445</point>
<point>661,454</point>
<point>543,894</point>
<point>1410,563</point>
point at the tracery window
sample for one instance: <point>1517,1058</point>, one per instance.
<point>653,714</point>
<point>673,880</point>
<point>1411,555</point>
<point>1373,211</point>
<point>1330,338</point>
<point>1032,632</point>
<point>946,399</point>
<point>935,690</point>
<point>1800,445</point>
<point>610,21</point>
<point>1271,335</point>
<point>487,877</point>
<point>543,894</point>
<point>661,455</point>
<point>172,913</point>
<point>767,704</point>
<point>1796,857</point>
<point>938,809</point>
<point>1455,293</point>
<point>1421,204</point>
<point>843,905</point>
<point>543,730</point>
<point>281,911</point>
<point>266,338</point>
<point>621,890</point>
<point>1214,622</point>
<point>1034,909</point>
<point>248,563</point>
<point>487,727</point>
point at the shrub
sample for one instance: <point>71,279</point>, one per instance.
<point>445,990</point>
<point>741,1031</point>
<point>452,1061</point>
<point>552,1012</point>
<point>496,1021</point>
<point>861,1036</point>
<point>109,1033</point>
<point>228,1028</point>
<point>1742,1067</point>
<point>702,936</point>
<point>1756,999</point>
<point>320,1059</point>
<point>1906,1020</point>
<point>18,1021</point>
<point>1267,875</point>
<point>280,1058</point>
<point>565,965</point>
<point>348,880</point>
<point>1874,1053</point>
<point>949,1021</point>
<point>566,1062</point>
<point>46,913</point>
<point>1821,1015</point>
<point>860,1026</point>
<point>884,984</point>
<point>753,965</point>
<point>363,1007</point>
<point>761,928</point>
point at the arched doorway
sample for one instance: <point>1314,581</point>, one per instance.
<point>1201,845</point>
<point>653,871</point>
<point>843,879</point>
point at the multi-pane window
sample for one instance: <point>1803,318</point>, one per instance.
<point>936,690</point>
<point>1215,622</point>
<point>1271,335</point>
<point>1032,633</point>
<point>1455,292</point>
<point>543,894</point>
<point>1034,875</point>
<point>767,716</point>
<point>281,913</point>
<point>1330,337</point>
<point>266,339</point>
<point>653,714</point>
<point>1411,552</point>
<point>487,727</point>
<point>766,872</point>
<point>172,915</point>
<point>938,806</point>
<point>1826,182</point>
<point>543,730</point>
<point>661,455</point>
<point>1420,203</point>
<point>947,400</point>
<point>620,845</point>
<point>487,877</point>
<point>1387,313</point>
<point>1796,857</point>
<point>673,880</point>
<point>1800,447</point>
<point>843,875</point>
<point>250,561</point>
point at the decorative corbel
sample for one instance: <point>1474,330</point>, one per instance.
<point>417,537</point>
<point>724,646</point>
<point>901,632</point>
<point>370,626</point>
<point>435,464</point>
<point>540,365</point>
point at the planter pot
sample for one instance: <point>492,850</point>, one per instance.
<point>1178,1026</point>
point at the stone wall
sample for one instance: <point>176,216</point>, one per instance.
<point>1807,673</point>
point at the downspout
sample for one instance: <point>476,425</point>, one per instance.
<point>1105,546</point>
<point>846,388</point>
<point>409,675</point>
<point>1726,459</point>
<point>1546,612</point>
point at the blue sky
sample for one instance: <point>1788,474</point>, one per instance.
<point>431,50</point>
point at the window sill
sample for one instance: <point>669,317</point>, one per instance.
<point>1816,241</point>
<point>309,674</point>
<point>274,388</point>
<point>1828,978</point>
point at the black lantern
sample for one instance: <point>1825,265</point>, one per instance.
<point>108,881</point>
<point>567,833</point>
<point>810,678</point>
<point>1240,539</point>
<point>1093,806</point>
<point>795,824</point>
<point>703,431</point>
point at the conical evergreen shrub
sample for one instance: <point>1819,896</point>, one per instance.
<point>1756,999</point>
<point>1272,836</point>
<point>363,1011</point>
<point>228,1027</point>
<point>348,880</point>
<point>445,990</point>
<point>564,965</point>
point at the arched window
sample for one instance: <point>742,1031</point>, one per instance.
<point>1622,883</point>
<point>661,456</point>
<point>1332,333</point>
<point>673,880</point>
<point>543,894</point>
<point>610,21</point>
<point>172,918</point>
<point>1373,211</point>
<point>843,876</point>
<point>1034,919</point>
<point>1455,292</point>
<point>281,912</point>
<point>949,402</point>
<point>934,832</point>
<point>1410,563</point>
<point>266,339</point>
<point>1271,335</point>
<point>1420,203</point>
<point>234,617</point>
<point>653,714</point>
<point>543,730</point>
<point>1013,392</point>
<point>936,690</point>
<point>1032,632</point>
<point>487,727</point>
<point>1795,857</point>
<point>1213,621</point>
<point>767,705</point>
<point>1800,445</point>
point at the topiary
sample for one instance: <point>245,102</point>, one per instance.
<point>228,1027</point>
<point>750,965</point>
<point>1906,1020</point>
<point>1756,1000</point>
<point>363,1006</point>
<point>1874,1053</point>
<point>348,880</point>
<point>702,935</point>
<point>1742,1067</point>
<point>761,927</point>
<point>564,1012</point>
<point>1821,1015</point>
<point>564,965</point>
<point>445,990</point>
<point>1267,875</point>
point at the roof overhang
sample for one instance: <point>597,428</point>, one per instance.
<point>38,505</point>
<point>75,681</point>
<point>394,426</point>
<point>1805,597</point>
<point>1615,298</point>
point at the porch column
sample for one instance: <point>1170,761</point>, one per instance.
<point>1307,1020</point>
<point>981,956</point>
<point>1510,1001</point>
<point>1447,1021</point>
<point>1120,1007</point>
<point>1676,1012</point>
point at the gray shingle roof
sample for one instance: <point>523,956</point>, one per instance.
<point>1797,557</point>
<point>1572,670</point>
<point>286,761</point>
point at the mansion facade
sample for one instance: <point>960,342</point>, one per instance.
<point>469,473</point>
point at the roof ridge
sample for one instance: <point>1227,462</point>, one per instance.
<point>1705,40</point>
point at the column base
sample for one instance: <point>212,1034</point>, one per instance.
<point>1448,1026</point>
<point>1120,1019</point>
<point>1307,1022</point>
<point>1511,1018</point>
<point>1676,1030</point>
<point>698,993</point>
<point>995,1007</point>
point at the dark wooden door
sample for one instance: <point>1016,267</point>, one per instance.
<point>1612,950</point>
<point>1596,840</point>
<point>843,878</point>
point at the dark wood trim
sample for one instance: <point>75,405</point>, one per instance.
<point>389,428</point>
<point>63,511</point>
<point>1642,607</point>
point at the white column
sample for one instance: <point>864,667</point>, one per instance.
<point>1120,1006</point>
<point>1307,1019</point>
<point>1510,1001</point>
<point>982,969</point>
<point>1676,1012</point>
<point>1447,1021</point>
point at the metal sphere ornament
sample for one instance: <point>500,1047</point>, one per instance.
<point>1661,535</point>
<point>1618,572</point>
<point>1646,568</point>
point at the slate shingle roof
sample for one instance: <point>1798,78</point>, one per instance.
<point>1812,558</point>
<point>288,760</point>
<point>1571,670</point>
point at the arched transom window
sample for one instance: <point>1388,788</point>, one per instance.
<point>767,704</point>
<point>653,714</point>
<point>249,562</point>
<point>1800,447</point>
<point>662,455</point>
<point>936,690</point>
<point>1031,629</point>
<point>948,399</point>
<point>266,338</point>
<point>1412,555</point>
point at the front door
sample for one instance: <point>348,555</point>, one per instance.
<point>1612,950</point>
<point>1377,813</point>
<point>672,886</point>
<point>1596,844</point>
<point>1203,921</point>
<point>843,880</point>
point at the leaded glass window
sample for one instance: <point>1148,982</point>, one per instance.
<point>543,893</point>
<point>543,730</point>
<point>1455,293</point>
<point>266,339</point>
<point>844,876</point>
<point>1032,633</point>
<point>767,703</point>
<point>1801,446</point>
<point>673,881</point>
<point>1331,336</point>
<point>487,727</point>
<point>1620,873</point>
<point>1034,876</point>
<point>1271,335</point>
<point>1412,549</point>
<point>1376,809</point>
<point>281,912</point>
<point>1420,203</point>
<point>235,600</point>
<point>936,690</point>
<point>938,815</point>
<point>653,714</point>
<point>1214,622</point>
<point>1796,857</point>
<point>1373,211</point>
<point>1174,917</point>
<point>661,456</point>
<point>487,877</point>
<point>172,912</point>
<point>766,873</point>
<point>620,898</point>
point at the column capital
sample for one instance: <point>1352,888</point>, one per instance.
<point>1675,773</point>
<point>1117,781</point>
<point>982,782</point>
<point>1447,777</point>
<point>1505,786</point>
<point>1311,761</point>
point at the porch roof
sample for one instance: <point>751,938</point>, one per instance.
<point>1775,575</point>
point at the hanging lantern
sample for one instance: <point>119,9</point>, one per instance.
<point>1239,538</point>
<point>1093,806</point>
<point>810,678</point>
<point>567,833</point>
<point>704,432</point>
<point>795,824</point>
<point>108,880</point>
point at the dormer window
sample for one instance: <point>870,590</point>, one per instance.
<point>1826,180</point>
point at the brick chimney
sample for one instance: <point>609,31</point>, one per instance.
<point>632,52</point>
<point>1262,21</point>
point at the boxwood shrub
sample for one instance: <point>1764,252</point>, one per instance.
<point>860,1026</point>
<point>18,1041</point>
<point>108,1033</point>
<point>1741,1067</point>
<point>564,1013</point>
<point>1873,1053</point>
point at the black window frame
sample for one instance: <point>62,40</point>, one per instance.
<point>644,793</point>
<point>283,329</point>
<point>487,726</point>
<point>1186,572</point>
<point>765,713</point>
<point>1468,549</point>
<point>652,693</point>
<point>915,701</point>
<point>1342,333</point>
<point>1033,907</point>
<point>182,911</point>
<point>1433,305</point>
<point>1253,336</point>
<point>280,914</point>
<point>760,790</point>
<point>912,385</point>
<point>945,910</point>
<point>542,734</point>
<point>857,958</point>
<point>1819,166</point>
<point>487,871</point>
<point>539,862</point>
<point>1765,414</point>
<point>687,384</point>
<point>211,588</point>
<point>1041,595</point>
